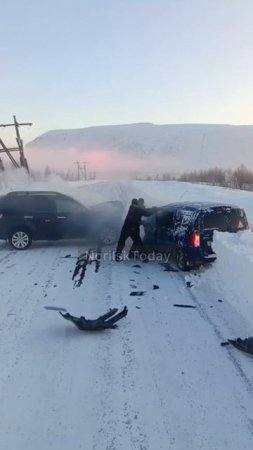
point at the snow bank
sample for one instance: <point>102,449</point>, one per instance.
<point>232,273</point>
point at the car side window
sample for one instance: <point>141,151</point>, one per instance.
<point>65,206</point>
<point>18,204</point>
<point>165,219</point>
<point>42,205</point>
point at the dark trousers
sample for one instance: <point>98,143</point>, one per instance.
<point>134,234</point>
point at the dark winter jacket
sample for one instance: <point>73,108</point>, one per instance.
<point>134,215</point>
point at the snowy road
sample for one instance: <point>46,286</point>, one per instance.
<point>160,381</point>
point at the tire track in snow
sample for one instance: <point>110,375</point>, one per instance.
<point>108,432</point>
<point>136,407</point>
<point>22,303</point>
<point>216,323</point>
<point>203,312</point>
<point>8,255</point>
<point>29,370</point>
<point>117,418</point>
<point>186,385</point>
<point>159,429</point>
<point>132,420</point>
<point>130,414</point>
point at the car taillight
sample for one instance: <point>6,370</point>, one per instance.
<point>195,239</point>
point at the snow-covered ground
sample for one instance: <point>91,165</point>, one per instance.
<point>161,380</point>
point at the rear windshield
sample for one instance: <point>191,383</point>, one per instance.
<point>227,219</point>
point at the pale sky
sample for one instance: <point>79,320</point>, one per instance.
<point>79,63</point>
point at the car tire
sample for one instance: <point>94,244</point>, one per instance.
<point>181,260</point>
<point>108,235</point>
<point>20,239</point>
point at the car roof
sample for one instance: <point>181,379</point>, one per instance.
<point>201,206</point>
<point>39,193</point>
<point>13,193</point>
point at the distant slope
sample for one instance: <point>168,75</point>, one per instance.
<point>186,146</point>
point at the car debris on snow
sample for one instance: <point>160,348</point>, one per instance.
<point>108,320</point>
<point>168,268</point>
<point>137,293</point>
<point>55,308</point>
<point>83,261</point>
<point>245,345</point>
<point>183,306</point>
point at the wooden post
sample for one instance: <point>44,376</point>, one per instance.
<point>20,148</point>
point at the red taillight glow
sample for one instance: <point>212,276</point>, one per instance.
<point>195,239</point>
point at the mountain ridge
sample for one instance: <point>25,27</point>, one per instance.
<point>181,146</point>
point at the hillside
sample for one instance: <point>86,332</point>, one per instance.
<point>176,147</point>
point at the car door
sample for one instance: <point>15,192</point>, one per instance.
<point>42,217</point>
<point>165,229</point>
<point>211,220</point>
<point>72,218</point>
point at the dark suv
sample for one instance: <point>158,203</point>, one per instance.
<point>186,230</point>
<point>45,215</point>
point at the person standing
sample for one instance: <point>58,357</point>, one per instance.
<point>131,228</point>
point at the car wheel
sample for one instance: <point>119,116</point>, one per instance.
<point>20,239</point>
<point>108,235</point>
<point>181,260</point>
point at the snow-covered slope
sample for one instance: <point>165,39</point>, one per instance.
<point>167,147</point>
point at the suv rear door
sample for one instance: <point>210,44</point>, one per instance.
<point>33,212</point>
<point>73,219</point>
<point>13,211</point>
<point>221,218</point>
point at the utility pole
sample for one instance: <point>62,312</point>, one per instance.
<point>78,169</point>
<point>1,165</point>
<point>19,148</point>
<point>84,168</point>
<point>81,169</point>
